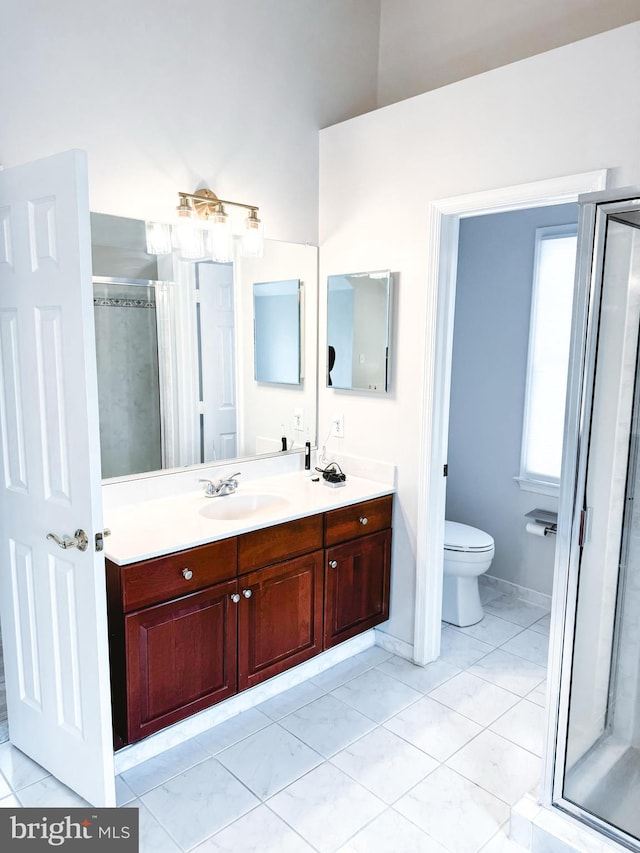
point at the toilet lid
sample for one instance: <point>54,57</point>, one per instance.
<point>462,537</point>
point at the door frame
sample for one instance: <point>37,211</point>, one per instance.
<point>445,216</point>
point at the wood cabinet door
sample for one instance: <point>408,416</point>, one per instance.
<point>357,578</point>
<point>279,618</point>
<point>181,658</point>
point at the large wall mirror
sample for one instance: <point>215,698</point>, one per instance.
<point>175,354</point>
<point>358,326</point>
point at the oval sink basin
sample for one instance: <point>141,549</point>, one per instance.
<point>236,507</point>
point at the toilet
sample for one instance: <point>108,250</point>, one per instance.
<point>468,553</point>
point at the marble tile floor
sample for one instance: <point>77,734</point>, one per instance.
<point>375,755</point>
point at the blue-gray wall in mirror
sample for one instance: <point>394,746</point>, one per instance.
<point>358,321</point>
<point>276,318</point>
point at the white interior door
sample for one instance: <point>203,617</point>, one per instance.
<point>52,600</point>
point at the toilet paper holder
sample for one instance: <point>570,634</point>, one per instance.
<point>545,518</point>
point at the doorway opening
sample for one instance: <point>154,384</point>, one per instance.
<point>446,216</point>
<point>512,327</point>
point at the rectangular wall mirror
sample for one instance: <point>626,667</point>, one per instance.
<point>276,319</point>
<point>175,354</point>
<point>358,328</point>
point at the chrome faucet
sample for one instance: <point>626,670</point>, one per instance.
<point>226,486</point>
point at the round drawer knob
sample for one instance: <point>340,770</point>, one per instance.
<point>235,597</point>
<point>187,574</point>
<point>333,564</point>
<point>247,593</point>
<point>364,520</point>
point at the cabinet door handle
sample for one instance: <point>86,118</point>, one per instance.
<point>364,520</point>
<point>247,593</point>
<point>333,564</point>
<point>235,597</point>
<point>187,574</point>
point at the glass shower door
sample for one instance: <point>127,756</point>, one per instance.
<point>599,734</point>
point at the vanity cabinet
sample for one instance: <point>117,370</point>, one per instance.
<point>358,569</point>
<point>192,628</point>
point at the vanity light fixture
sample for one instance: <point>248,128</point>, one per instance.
<point>203,229</point>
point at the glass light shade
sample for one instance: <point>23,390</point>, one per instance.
<point>252,237</point>
<point>188,239</point>
<point>220,237</point>
<point>158,238</point>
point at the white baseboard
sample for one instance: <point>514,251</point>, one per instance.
<point>508,588</point>
<point>394,645</point>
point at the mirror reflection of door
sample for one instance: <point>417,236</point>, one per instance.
<point>217,361</point>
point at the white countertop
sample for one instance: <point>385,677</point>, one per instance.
<point>152,528</point>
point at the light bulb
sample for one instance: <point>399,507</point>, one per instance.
<point>220,236</point>
<point>253,237</point>
<point>187,237</point>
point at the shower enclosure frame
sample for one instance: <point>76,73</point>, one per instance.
<point>573,516</point>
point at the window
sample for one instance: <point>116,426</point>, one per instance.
<point>549,334</point>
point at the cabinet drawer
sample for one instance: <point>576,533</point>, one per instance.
<point>350,522</point>
<point>162,578</point>
<point>280,542</point>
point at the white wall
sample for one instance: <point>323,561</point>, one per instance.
<point>168,96</point>
<point>425,44</point>
<point>566,111</point>
<point>488,379</point>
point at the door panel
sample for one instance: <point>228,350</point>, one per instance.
<point>280,623</point>
<point>52,602</point>
<point>181,658</point>
<point>356,586</point>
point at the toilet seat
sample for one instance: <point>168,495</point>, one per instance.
<point>464,538</point>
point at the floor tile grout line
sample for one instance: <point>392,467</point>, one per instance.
<point>292,828</point>
<point>169,778</point>
<point>472,781</point>
<point>304,743</point>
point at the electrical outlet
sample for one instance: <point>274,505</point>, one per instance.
<point>298,420</point>
<point>337,426</point>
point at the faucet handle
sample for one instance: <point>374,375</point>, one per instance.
<point>231,483</point>
<point>209,488</point>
